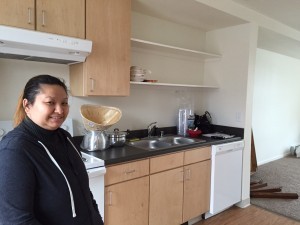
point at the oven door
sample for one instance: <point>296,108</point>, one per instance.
<point>96,181</point>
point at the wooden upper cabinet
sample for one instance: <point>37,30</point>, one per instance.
<point>18,13</point>
<point>106,70</point>
<point>64,17</point>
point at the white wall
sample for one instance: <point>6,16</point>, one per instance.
<point>276,107</point>
<point>231,104</point>
<point>147,104</point>
<point>228,103</point>
<point>167,67</point>
<point>143,106</point>
<point>166,32</point>
<point>13,77</point>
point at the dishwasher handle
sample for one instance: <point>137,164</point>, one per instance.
<point>227,147</point>
<point>228,151</point>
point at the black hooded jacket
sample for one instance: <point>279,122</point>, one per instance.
<point>43,180</point>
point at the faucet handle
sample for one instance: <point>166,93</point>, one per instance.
<point>150,128</point>
<point>161,133</point>
<point>151,124</point>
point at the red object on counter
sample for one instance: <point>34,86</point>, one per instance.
<point>194,133</point>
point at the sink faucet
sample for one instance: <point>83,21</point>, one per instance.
<point>151,128</point>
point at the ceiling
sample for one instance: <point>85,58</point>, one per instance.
<point>198,15</point>
<point>186,12</point>
<point>284,11</point>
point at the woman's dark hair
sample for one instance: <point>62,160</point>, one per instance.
<point>32,88</point>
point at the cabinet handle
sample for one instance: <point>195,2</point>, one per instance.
<point>110,199</point>
<point>43,18</point>
<point>129,171</point>
<point>92,84</point>
<point>29,15</point>
<point>181,177</point>
<point>187,174</point>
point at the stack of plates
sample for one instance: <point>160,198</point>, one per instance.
<point>137,77</point>
<point>137,74</point>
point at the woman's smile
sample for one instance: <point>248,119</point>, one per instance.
<point>50,108</point>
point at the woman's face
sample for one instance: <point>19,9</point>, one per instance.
<point>50,107</point>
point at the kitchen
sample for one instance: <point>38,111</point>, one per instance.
<point>229,110</point>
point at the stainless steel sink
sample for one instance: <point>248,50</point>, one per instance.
<point>178,140</point>
<point>150,144</point>
<point>163,142</point>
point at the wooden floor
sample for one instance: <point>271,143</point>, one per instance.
<point>251,215</point>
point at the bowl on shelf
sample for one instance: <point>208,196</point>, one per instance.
<point>194,133</point>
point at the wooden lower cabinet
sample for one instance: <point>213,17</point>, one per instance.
<point>165,190</point>
<point>196,189</point>
<point>127,203</point>
<point>179,186</point>
<point>166,194</point>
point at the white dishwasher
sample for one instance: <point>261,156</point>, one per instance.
<point>226,176</point>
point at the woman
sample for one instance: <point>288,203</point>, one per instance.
<point>42,177</point>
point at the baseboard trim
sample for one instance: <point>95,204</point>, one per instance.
<point>272,159</point>
<point>195,220</point>
<point>244,203</point>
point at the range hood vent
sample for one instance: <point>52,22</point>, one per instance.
<point>17,43</point>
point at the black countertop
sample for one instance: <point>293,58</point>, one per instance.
<point>115,155</point>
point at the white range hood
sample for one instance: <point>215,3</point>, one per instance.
<point>17,43</point>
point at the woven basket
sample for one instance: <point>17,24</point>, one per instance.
<point>97,117</point>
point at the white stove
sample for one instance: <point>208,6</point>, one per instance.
<point>91,162</point>
<point>96,170</point>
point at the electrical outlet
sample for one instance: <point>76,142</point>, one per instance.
<point>81,129</point>
<point>238,117</point>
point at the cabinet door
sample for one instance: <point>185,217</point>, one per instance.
<point>108,26</point>
<point>166,196</point>
<point>65,17</point>
<point>127,203</point>
<point>196,189</point>
<point>18,13</point>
